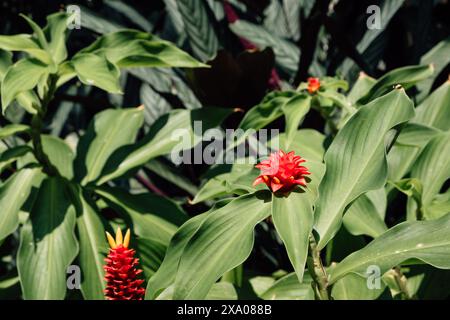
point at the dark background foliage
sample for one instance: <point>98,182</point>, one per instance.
<point>328,34</point>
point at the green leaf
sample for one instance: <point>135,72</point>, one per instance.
<point>107,132</point>
<point>286,52</point>
<point>294,112</point>
<point>219,291</point>
<point>38,32</point>
<point>47,243</point>
<point>432,168</point>
<point>165,276</point>
<point>161,169</point>
<point>287,288</point>
<point>25,43</point>
<point>223,241</point>
<point>426,241</point>
<point>97,71</point>
<point>152,216</point>
<point>308,143</point>
<point>131,48</point>
<point>59,154</point>
<point>171,133</point>
<point>20,77</point>
<point>55,32</point>
<point>439,57</point>
<point>9,156</point>
<point>202,37</point>
<point>270,109</point>
<point>405,76</point>
<point>434,110</point>
<point>411,141</point>
<point>355,287</point>
<point>361,87</point>
<point>93,246</point>
<point>13,194</point>
<point>12,129</point>
<point>356,161</point>
<point>363,217</point>
<point>151,254</point>
<point>293,219</point>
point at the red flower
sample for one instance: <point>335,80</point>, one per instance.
<point>121,272</point>
<point>313,84</point>
<point>282,172</point>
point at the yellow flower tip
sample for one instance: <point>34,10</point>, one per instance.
<point>126,239</point>
<point>277,181</point>
<point>119,237</point>
<point>111,241</point>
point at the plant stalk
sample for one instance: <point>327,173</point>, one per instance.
<point>317,271</point>
<point>36,129</point>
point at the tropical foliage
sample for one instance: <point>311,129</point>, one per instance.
<point>357,206</point>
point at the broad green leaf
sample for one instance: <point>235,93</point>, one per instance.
<point>294,111</point>
<point>356,160</point>
<point>293,219</point>
<point>12,129</point>
<point>25,43</point>
<point>97,71</point>
<point>165,276</point>
<point>107,132</point>
<point>38,32</point>
<point>219,291</point>
<point>172,133</point>
<point>355,287</point>
<point>152,216</point>
<point>223,241</point>
<point>151,254</point>
<point>362,217</point>
<point>166,172</point>
<point>59,154</point>
<point>308,143</point>
<point>438,207</point>
<point>20,77</point>
<point>405,76</point>
<point>10,155</point>
<point>288,288</point>
<point>270,109</point>
<point>427,241</point>
<point>434,110</point>
<point>5,62</point>
<point>131,48</point>
<point>361,87</point>
<point>238,181</point>
<point>286,52</point>
<point>55,32</point>
<point>47,243</point>
<point>411,141</point>
<point>13,194</point>
<point>93,246</point>
<point>432,168</point>
<point>439,57</point>
<point>202,37</point>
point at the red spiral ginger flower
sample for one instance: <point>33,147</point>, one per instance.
<point>121,278</point>
<point>313,84</point>
<point>282,172</point>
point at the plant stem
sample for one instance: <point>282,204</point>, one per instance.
<point>36,129</point>
<point>317,271</point>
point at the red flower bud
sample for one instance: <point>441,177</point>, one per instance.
<point>121,272</point>
<point>313,85</point>
<point>282,172</point>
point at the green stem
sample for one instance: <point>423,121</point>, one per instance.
<point>36,129</point>
<point>317,271</point>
